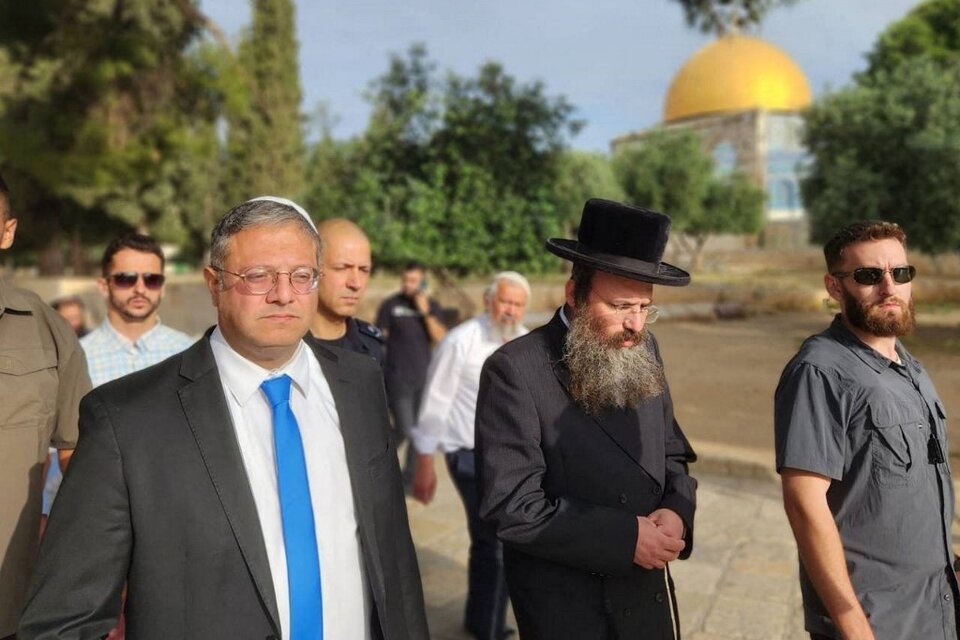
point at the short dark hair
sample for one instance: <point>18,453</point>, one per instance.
<point>414,265</point>
<point>256,213</point>
<point>135,241</point>
<point>4,201</point>
<point>582,277</point>
<point>860,231</point>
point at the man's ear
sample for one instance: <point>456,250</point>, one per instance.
<point>568,290</point>
<point>213,284</point>
<point>833,287</point>
<point>8,232</point>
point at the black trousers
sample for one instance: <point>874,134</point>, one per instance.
<point>486,611</point>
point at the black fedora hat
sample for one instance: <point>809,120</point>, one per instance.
<point>623,240</point>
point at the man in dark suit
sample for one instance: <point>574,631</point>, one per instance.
<point>583,468</point>
<point>232,509</point>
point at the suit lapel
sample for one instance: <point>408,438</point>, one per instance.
<point>209,418</point>
<point>624,427</point>
<point>354,413</point>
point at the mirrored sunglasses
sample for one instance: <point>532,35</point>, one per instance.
<point>873,275</point>
<point>127,279</point>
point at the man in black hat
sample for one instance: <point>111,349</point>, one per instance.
<point>583,467</point>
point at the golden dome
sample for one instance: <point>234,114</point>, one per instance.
<point>736,73</point>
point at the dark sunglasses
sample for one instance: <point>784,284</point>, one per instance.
<point>127,279</point>
<point>873,275</point>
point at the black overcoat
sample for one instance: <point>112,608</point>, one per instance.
<point>564,489</point>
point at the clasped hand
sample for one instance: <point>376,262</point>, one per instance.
<point>659,539</point>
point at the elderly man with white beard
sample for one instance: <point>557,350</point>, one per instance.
<point>582,466</point>
<point>446,422</point>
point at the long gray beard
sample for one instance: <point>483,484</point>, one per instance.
<point>604,375</point>
<point>505,332</point>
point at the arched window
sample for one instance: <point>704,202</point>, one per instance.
<point>724,158</point>
<point>783,194</point>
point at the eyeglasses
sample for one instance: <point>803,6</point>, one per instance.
<point>652,312</point>
<point>128,279</point>
<point>262,280</point>
<point>873,275</point>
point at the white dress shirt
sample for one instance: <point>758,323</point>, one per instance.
<point>346,606</point>
<point>449,402</point>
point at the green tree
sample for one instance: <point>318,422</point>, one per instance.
<point>265,133</point>
<point>405,115</point>
<point>460,173</point>
<point>889,147</point>
<point>723,16</point>
<point>930,30</point>
<point>105,110</point>
<point>514,131</point>
<point>583,175</point>
<point>670,172</point>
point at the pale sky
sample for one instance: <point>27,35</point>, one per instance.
<point>612,59</point>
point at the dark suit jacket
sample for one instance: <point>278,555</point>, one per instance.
<point>156,495</point>
<point>564,490</point>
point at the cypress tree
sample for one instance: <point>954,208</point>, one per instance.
<point>265,137</point>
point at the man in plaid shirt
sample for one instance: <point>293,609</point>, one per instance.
<point>132,337</point>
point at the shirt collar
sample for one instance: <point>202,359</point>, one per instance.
<point>563,316</point>
<point>149,340</point>
<point>243,377</point>
<point>868,354</point>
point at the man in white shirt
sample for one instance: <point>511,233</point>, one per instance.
<point>233,510</point>
<point>446,423</point>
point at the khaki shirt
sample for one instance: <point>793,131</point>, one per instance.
<point>43,375</point>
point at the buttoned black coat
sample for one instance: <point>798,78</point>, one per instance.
<point>564,488</point>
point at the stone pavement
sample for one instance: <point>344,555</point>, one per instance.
<point>739,584</point>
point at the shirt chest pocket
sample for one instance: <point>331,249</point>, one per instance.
<point>28,385</point>
<point>898,443</point>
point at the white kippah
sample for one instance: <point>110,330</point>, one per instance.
<point>290,203</point>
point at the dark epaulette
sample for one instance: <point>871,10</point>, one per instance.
<point>368,329</point>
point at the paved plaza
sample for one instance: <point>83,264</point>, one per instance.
<point>740,582</point>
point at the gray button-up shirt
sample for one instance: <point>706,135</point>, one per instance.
<point>844,411</point>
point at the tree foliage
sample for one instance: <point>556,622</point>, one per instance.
<point>889,147</point>
<point>583,175</point>
<point>459,172</point>
<point>931,30</point>
<point>107,114</point>
<point>723,16</point>
<point>670,172</point>
<point>265,135</point>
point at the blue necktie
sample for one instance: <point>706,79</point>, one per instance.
<point>296,512</point>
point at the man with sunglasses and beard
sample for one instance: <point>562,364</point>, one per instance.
<point>132,336</point>
<point>582,466</point>
<point>862,453</point>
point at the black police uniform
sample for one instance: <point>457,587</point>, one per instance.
<point>361,337</point>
